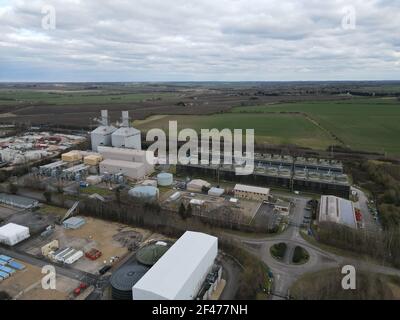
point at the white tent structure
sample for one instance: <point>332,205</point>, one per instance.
<point>181,271</point>
<point>12,234</point>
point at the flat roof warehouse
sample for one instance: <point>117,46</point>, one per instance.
<point>335,209</point>
<point>18,201</point>
<point>179,272</point>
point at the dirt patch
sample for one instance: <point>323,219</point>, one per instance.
<point>26,285</point>
<point>129,239</point>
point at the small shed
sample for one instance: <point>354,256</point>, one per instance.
<point>74,223</point>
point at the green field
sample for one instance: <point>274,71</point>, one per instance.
<point>363,124</point>
<point>273,129</point>
<point>360,123</point>
<point>16,97</point>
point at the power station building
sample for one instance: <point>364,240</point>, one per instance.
<point>131,170</point>
<point>101,136</point>
<point>309,175</point>
<point>181,272</point>
<point>126,136</point>
<point>134,164</point>
<point>107,135</point>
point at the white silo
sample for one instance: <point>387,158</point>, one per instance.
<point>165,179</point>
<point>126,136</point>
<point>101,136</point>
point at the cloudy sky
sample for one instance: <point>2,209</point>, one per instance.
<point>170,40</point>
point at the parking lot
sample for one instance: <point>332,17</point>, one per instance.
<point>267,215</point>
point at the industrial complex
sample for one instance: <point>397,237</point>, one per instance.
<point>58,213</point>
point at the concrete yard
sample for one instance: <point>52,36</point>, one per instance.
<point>112,239</point>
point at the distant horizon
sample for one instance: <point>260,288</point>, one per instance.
<point>198,81</point>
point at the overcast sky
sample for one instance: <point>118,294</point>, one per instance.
<point>170,40</point>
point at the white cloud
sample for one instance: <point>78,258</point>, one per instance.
<point>100,40</point>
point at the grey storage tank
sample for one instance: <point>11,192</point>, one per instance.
<point>124,279</point>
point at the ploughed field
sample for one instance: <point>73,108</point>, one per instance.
<point>77,107</point>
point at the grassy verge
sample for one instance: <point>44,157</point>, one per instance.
<point>337,251</point>
<point>326,285</point>
<point>278,250</point>
<point>48,209</point>
<point>92,189</point>
<point>300,255</point>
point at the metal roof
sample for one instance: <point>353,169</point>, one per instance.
<point>126,132</point>
<point>121,163</point>
<point>252,189</point>
<point>75,221</point>
<point>18,200</point>
<point>177,266</point>
<point>104,130</point>
<point>11,229</point>
<point>338,210</point>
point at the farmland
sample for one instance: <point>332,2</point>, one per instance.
<point>271,129</point>
<point>23,97</point>
<point>311,115</point>
<point>359,123</point>
<point>362,124</point>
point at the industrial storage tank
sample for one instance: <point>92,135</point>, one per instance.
<point>151,253</point>
<point>144,193</point>
<point>165,179</point>
<point>124,279</point>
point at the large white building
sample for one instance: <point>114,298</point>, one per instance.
<point>101,136</point>
<point>130,155</point>
<point>126,136</point>
<point>12,233</point>
<point>181,271</point>
<point>338,210</point>
<point>132,170</point>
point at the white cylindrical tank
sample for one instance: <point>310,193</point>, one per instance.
<point>165,179</point>
<point>144,192</point>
